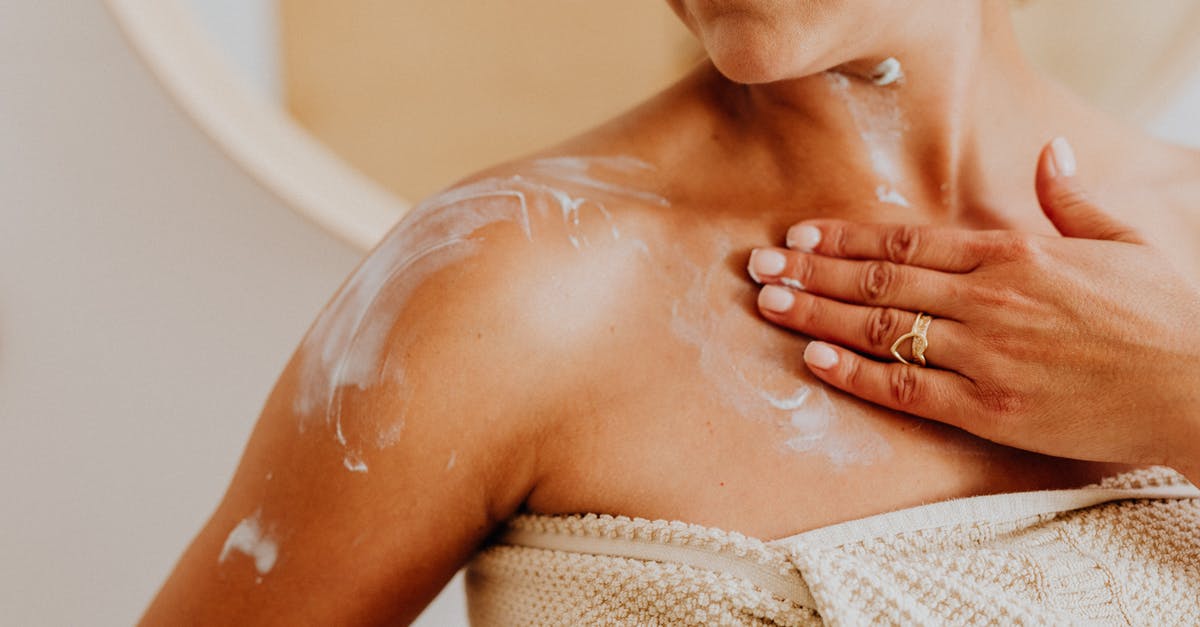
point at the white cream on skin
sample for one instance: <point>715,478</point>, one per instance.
<point>354,462</point>
<point>890,196</point>
<point>887,72</point>
<point>346,346</point>
<point>795,401</point>
<point>248,538</point>
<point>747,377</point>
<point>390,435</point>
<point>881,127</point>
<point>576,170</point>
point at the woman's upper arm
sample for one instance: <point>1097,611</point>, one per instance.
<point>357,507</point>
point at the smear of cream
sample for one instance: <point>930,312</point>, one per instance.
<point>390,435</point>
<point>577,170</point>
<point>888,72</point>
<point>249,539</point>
<point>345,349</point>
<point>810,429</point>
<point>758,385</point>
<point>888,195</point>
<point>450,462</point>
<point>795,401</point>
<point>792,283</point>
<point>354,463</point>
<point>881,128</point>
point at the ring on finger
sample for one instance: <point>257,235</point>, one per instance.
<point>919,341</point>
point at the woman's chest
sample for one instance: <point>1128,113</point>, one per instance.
<point>706,413</point>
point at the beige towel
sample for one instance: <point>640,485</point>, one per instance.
<point>1124,552</point>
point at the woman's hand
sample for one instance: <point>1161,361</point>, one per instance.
<point>1083,346</point>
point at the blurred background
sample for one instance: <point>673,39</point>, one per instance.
<point>184,183</point>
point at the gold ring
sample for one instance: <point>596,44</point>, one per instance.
<point>919,342</point>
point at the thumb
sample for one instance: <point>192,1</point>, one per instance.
<point>1067,205</point>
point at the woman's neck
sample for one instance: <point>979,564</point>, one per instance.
<point>964,122</point>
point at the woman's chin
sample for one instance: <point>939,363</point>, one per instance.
<point>749,57</point>
<point>749,67</point>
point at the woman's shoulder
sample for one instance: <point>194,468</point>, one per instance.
<point>565,210</point>
<point>535,250</point>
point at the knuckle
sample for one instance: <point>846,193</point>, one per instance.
<point>852,374</point>
<point>900,243</point>
<point>806,314</point>
<point>878,281</point>
<point>883,327</point>
<point>978,249</point>
<point>1017,247</point>
<point>988,296</point>
<point>834,240</point>
<point>999,401</point>
<point>802,270</point>
<point>904,386</point>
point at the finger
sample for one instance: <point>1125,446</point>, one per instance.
<point>875,283</point>
<point>927,392</point>
<point>1066,203</point>
<point>870,330</point>
<point>936,248</point>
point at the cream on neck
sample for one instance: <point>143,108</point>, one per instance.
<point>948,92</point>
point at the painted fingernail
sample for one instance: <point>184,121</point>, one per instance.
<point>1064,156</point>
<point>803,238</point>
<point>820,355</point>
<point>766,263</point>
<point>776,299</point>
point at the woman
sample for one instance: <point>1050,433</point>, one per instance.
<point>573,333</point>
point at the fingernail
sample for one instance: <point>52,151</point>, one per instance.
<point>1064,156</point>
<point>776,299</point>
<point>803,238</point>
<point>820,355</point>
<point>766,263</point>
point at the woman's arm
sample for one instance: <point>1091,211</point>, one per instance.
<point>361,518</point>
<point>1084,346</point>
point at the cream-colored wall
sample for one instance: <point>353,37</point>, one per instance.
<point>149,294</point>
<point>489,80</point>
<point>1126,57</point>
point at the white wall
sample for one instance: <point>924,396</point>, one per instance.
<point>247,32</point>
<point>150,293</point>
<point>1180,120</point>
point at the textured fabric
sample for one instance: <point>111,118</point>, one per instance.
<point>1123,552</point>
